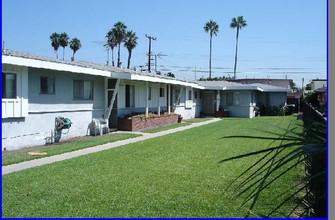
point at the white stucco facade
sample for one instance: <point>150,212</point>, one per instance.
<point>41,89</point>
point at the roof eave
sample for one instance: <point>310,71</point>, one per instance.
<point>28,62</point>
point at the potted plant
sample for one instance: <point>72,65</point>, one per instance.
<point>180,118</point>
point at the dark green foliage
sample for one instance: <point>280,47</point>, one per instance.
<point>169,74</point>
<point>272,110</point>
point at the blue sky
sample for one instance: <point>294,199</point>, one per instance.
<point>284,38</point>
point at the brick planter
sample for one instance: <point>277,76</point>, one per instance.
<point>139,124</point>
<point>221,114</point>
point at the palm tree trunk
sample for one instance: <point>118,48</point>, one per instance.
<point>56,52</point>
<point>63,52</point>
<point>73,56</point>
<point>129,57</point>
<point>210,56</point>
<point>236,52</point>
<point>118,55</point>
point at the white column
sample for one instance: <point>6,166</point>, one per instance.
<point>147,100</point>
<point>218,100</point>
<point>159,100</point>
<point>169,98</point>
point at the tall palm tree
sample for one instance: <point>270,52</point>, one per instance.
<point>130,42</point>
<point>237,23</point>
<point>54,37</point>
<point>119,31</point>
<point>111,42</point>
<point>75,45</point>
<point>63,41</point>
<point>213,28</point>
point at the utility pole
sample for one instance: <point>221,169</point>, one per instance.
<point>149,54</point>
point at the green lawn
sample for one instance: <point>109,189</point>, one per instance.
<point>11,157</point>
<point>177,175</point>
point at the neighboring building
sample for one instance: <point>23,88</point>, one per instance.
<point>36,90</point>
<point>293,96</point>
<point>284,83</point>
<point>240,99</point>
<point>315,84</point>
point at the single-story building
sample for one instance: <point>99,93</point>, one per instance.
<point>37,90</point>
<point>239,99</point>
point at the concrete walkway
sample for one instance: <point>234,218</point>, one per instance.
<point>69,155</point>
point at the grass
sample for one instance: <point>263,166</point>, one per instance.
<point>177,175</point>
<point>177,125</point>
<point>17,156</point>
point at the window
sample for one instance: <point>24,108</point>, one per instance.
<point>149,95</point>
<point>161,92</point>
<point>9,85</point>
<point>130,96</point>
<point>195,94</point>
<point>232,98</point>
<point>47,85</point>
<point>83,89</point>
<point>189,94</point>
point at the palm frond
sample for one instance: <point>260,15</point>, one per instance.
<point>297,145</point>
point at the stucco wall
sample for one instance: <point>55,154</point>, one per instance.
<point>275,98</point>
<point>63,97</point>
<point>42,110</point>
<point>245,107</point>
<point>140,99</point>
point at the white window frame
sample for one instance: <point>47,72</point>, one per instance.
<point>50,86</point>
<point>131,98</point>
<point>233,98</point>
<point>161,92</point>
<point>6,85</point>
<point>86,89</point>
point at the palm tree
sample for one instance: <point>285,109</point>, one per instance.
<point>111,42</point>
<point>63,41</point>
<point>237,23</point>
<point>130,42</point>
<point>55,42</point>
<point>75,45</point>
<point>119,31</point>
<point>213,28</point>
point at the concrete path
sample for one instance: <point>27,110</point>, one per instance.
<point>69,155</point>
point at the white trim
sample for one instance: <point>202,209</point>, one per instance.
<point>52,66</point>
<point>64,110</point>
<point>162,80</point>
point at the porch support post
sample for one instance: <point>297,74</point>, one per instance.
<point>169,98</point>
<point>159,100</point>
<point>218,100</point>
<point>109,110</point>
<point>147,100</point>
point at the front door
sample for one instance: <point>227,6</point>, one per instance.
<point>208,107</point>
